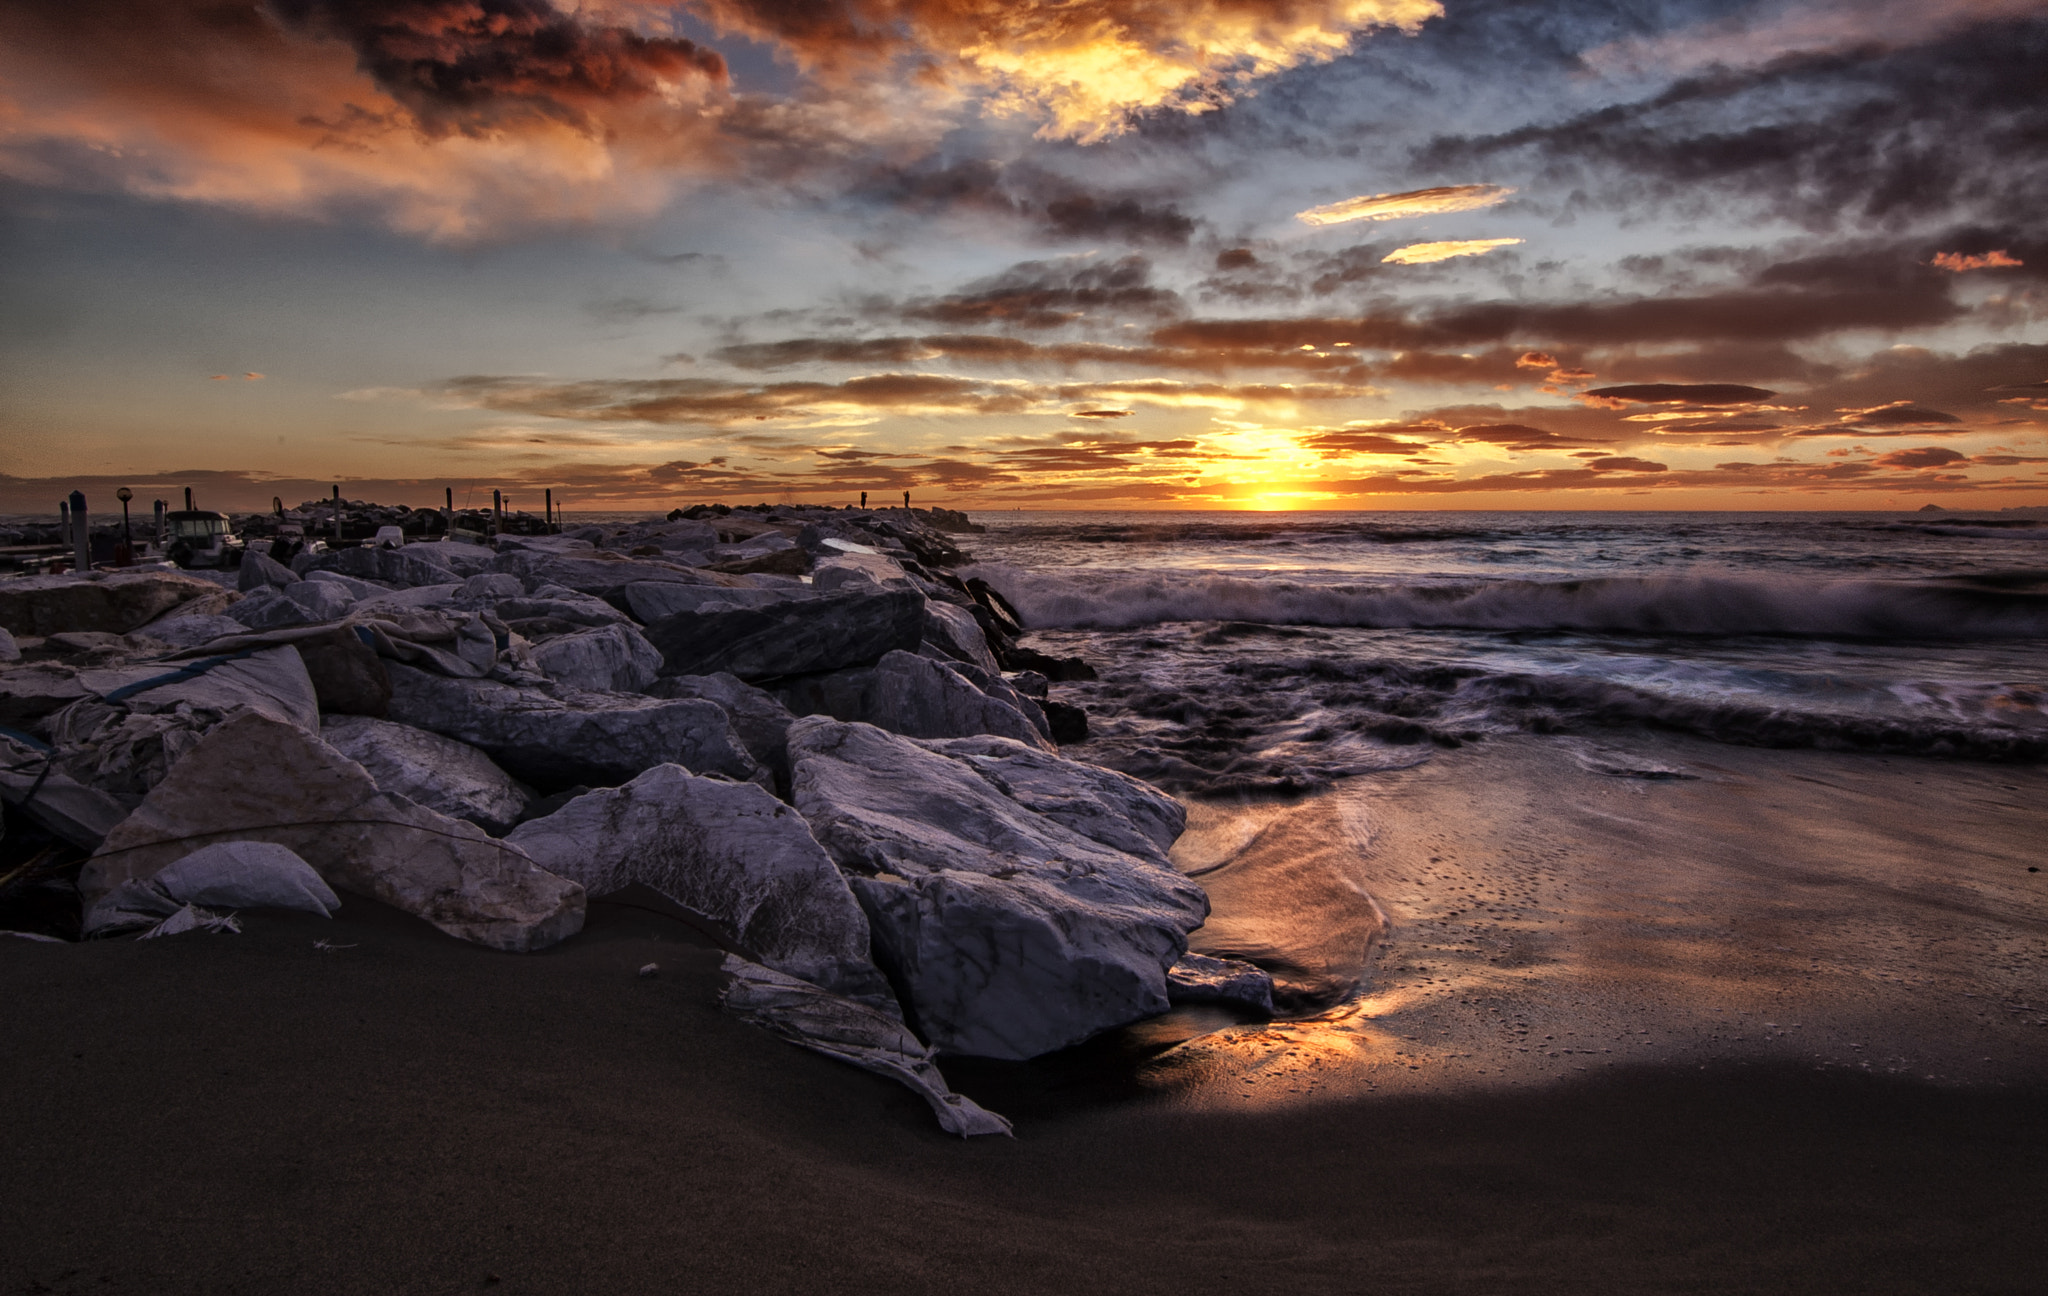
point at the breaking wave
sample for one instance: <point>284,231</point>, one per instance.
<point>2010,605</point>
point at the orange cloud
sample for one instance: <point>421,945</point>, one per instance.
<point>1398,206</point>
<point>1428,253</point>
<point>1959,262</point>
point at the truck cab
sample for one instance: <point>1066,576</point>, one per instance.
<point>200,538</point>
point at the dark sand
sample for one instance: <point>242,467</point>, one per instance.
<point>254,1114</point>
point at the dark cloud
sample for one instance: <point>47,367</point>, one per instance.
<point>1053,207</point>
<point>1124,219</point>
<point>1519,436</point>
<point>471,65</point>
<point>709,403</point>
<point>1048,294</point>
<point>1338,442</point>
<point>1900,415</point>
<point>1868,134</point>
<point>1622,463</point>
<point>1683,393</point>
<point>1921,457</point>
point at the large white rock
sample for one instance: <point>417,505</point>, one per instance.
<point>852,1032</point>
<point>1007,933</point>
<point>761,722</point>
<point>653,600</point>
<point>911,695</point>
<point>111,602</point>
<point>728,851</point>
<point>557,737</point>
<point>1103,805</point>
<point>437,772</point>
<point>614,659</point>
<point>258,779</point>
<point>842,570</point>
<point>955,631</point>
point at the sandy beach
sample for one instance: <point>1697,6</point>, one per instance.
<point>1617,1034</point>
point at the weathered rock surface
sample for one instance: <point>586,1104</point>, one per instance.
<point>110,602</point>
<point>911,695</point>
<point>10,651</point>
<point>842,569</point>
<point>1199,979</point>
<point>225,875</point>
<point>650,601</point>
<point>761,722</point>
<point>955,632</point>
<point>840,1028</point>
<point>28,693</point>
<point>259,571</point>
<point>557,737</point>
<point>412,565</point>
<point>1103,805</point>
<point>615,659</point>
<point>1006,933</point>
<point>600,574</point>
<point>258,779</point>
<point>191,631</point>
<point>439,773</point>
<point>728,851</point>
<point>853,628</point>
<point>348,676</point>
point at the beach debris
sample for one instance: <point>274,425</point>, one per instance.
<point>648,970</point>
<point>34,936</point>
<point>431,770</point>
<point>1011,933</point>
<point>225,875</point>
<point>554,736</point>
<point>10,651</point>
<point>853,627</point>
<point>193,918</point>
<point>31,784</point>
<point>1200,979</point>
<point>911,695</point>
<point>257,778</point>
<point>729,852</point>
<point>328,946</point>
<point>853,1032</point>
<point>110,602</point>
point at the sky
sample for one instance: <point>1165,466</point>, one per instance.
<point>1150,254</point>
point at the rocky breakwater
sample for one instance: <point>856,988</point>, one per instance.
<point>794,723</point>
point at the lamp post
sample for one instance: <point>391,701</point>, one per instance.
<point>126,556</point>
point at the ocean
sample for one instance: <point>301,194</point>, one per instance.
<point>1279,652</point>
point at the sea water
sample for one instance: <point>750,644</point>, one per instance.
<point>1281,651</point>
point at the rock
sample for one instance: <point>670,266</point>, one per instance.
<point>259,572</point>
<point>191,631</point>
<point>359,589</point>
<point>996,687</point>
<point>728,851</point>
<point>407,567</point>
<point>910,695</point>
<point>111,602</point>
<point>1068,722</point>
<point>1199,979</point>
<point>650,601</point>
<point>348,676</point>
<point>789,561</point>
<point>1031,684</point>
<point>10,651</point>
<point>306,603</point>
<point>1102,805</point>
<point>955,632</point>
<point>761,722</point>
<point>225,875</point>
<point>439,773</point>
<point>615,659</point>
<point>852,1032</point>
<point>852,628</point>
<point>955,522</point>
<point>257,779</point>
<point>556,737</point>
<point>322,600</point>
<point>492,586</point>
<point>461,559</point>
<point>1065,669</point>
<point>1006,933</point>
<point>600,574</point>
<point>857,570</point>
<point>28,693</point>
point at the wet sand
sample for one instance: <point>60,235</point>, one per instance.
<point>402,1113</point>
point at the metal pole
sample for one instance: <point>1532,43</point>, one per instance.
<point>448,513</point>
<point>126,557</point>
<point>548,513</point>
<point>497,514</point>
<point>337,516</point>
<point>81,531</point>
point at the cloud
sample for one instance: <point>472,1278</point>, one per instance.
<point>1683,393</point>
<point>1897,414</point>
<point>1054,207</point>
<point>1083,72</point>
<point>1960,262</point>
<point>1428,253</point>
<point>1921,457</point>
<point>1084,216</point>
<point>1048,294</point>
<point>1520,436</point>
<point>476,66</point>
<point>1442,200</point>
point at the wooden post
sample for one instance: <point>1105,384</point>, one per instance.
<point>81,532</point>
<point>497,513</point>
<point>337,515</point>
